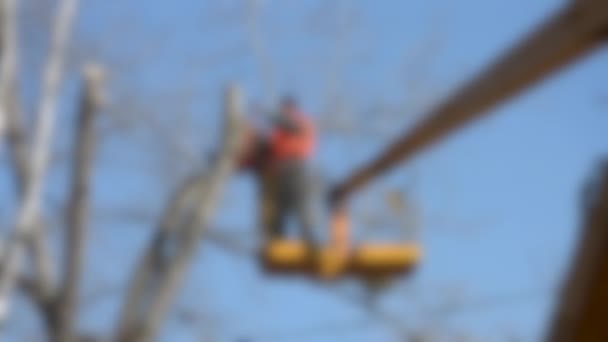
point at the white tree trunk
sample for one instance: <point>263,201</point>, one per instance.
<point>40,148</point>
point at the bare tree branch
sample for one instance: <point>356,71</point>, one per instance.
<point>8,64</point>
<point>11,125</point>
<point>164,263</point>
<point>16,141</point>
<point>78,205</point>
<point>28,213</point>
<point>38,246</point>
<point>12,118</point>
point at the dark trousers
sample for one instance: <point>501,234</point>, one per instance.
<point>287,190</point>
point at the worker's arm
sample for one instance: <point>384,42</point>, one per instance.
<point>258,151</point>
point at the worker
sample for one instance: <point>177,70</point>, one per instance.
<point>280,160</point>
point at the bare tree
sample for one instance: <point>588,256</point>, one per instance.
<point>164,263</point>
<point>30,207</point>
<point>156,279</point>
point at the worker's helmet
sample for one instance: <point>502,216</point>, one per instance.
<point>288,101</point>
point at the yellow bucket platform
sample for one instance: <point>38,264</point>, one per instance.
<point>296,256</point>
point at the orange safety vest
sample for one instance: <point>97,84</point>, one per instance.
<point>300,145</point>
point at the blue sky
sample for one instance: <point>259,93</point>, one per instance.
<point>498,201</point>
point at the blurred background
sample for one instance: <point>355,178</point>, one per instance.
<point>496,206</point>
